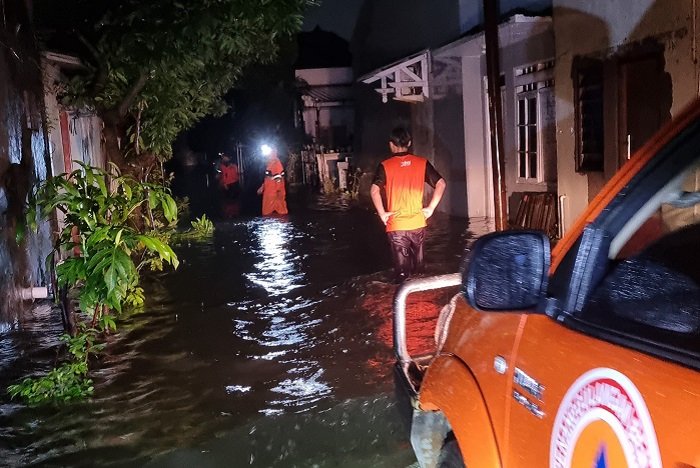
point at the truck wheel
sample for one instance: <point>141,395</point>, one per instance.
<point>450,455</point>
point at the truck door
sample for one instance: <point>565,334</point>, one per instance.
<point>614,382</point>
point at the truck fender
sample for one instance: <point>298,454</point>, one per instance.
<point>450,387</point>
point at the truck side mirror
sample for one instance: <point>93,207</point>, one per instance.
<point>507,271</point>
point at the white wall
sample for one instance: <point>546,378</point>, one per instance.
<point>523,41</point>
<point>325,76</point>
<point>476,136</point>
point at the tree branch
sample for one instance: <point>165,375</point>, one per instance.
<point>128,100</point>
<point>102,69</point>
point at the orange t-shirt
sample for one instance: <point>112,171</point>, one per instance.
<point>229,174</point>
<point>404,185</point>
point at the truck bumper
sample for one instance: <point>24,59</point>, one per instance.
<point>426,430</point>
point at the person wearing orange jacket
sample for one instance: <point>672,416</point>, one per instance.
<point>403,177</point>
<point>272,189</point>
<point>229,177</point>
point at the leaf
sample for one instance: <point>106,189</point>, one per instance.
<point>118,238</point>
<point>102,185</point>
<point>111,276</point>
<point>20,231</point>
<point>148,242</point>
<point>127,190</point>
<point>169,208</point>
<point>152,199</point>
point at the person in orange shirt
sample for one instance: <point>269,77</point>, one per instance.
<point>229,177</point>
<point>403,177</point>
<point>272,189</point>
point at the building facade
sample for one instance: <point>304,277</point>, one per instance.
<point>633,69</point>
<point>445,89</point>
<point>75,135</point>
<point>328,117</point>
<point>24,160</point>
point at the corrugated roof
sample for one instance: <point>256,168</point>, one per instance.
<point>328,93</point>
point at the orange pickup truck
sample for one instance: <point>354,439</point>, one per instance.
<point>586,356</point>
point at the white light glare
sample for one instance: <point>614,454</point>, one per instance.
<point>266,150</point>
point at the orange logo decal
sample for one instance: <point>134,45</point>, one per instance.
<point>603,422</point>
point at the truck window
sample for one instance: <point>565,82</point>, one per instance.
<point>652,291</point>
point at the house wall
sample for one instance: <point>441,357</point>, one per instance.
<point>527,43</point>
<point>74,135</point>
<point>423,130</point>
<point>614,27</point>
<point>328,114</point>
<point>374,121</point>
<point>24,160</point>
<point>523,41</point>
<point>448,131</point>
<point>386,31</point>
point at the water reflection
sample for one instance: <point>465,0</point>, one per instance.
<point>278,270</point>
<point>303,391</point>
<point>289,321</point>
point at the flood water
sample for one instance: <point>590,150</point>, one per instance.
<point>269,346</point>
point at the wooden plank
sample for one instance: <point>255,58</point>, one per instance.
<point>538,211</point>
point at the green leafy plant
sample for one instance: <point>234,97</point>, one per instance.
<point>114,227</point>
<point>203,226</point>
<point>62,384</point>
<point>67,382</point>
<point>330,187</point>
<point>354,183</point>
<point>202,229</point>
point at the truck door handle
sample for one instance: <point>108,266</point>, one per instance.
<point>500,364</point>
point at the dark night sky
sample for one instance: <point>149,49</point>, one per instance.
<point>338,16</point>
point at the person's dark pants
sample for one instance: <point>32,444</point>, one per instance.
<point>407,252</point>
<point>232,190</point>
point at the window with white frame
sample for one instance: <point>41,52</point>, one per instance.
<point>533,120</point>
<point>527,132</point>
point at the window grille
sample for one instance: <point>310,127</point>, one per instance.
<point>588,103</point>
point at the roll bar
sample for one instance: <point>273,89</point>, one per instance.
<point>409,287</point>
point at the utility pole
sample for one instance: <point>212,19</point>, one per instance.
<point>491,17</point>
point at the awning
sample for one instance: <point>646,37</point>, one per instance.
<point>328,93</point>
<point>405,80</point>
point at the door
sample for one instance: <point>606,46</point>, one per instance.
<point>645,95</point>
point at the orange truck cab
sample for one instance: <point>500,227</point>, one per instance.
<point>586,356</point>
